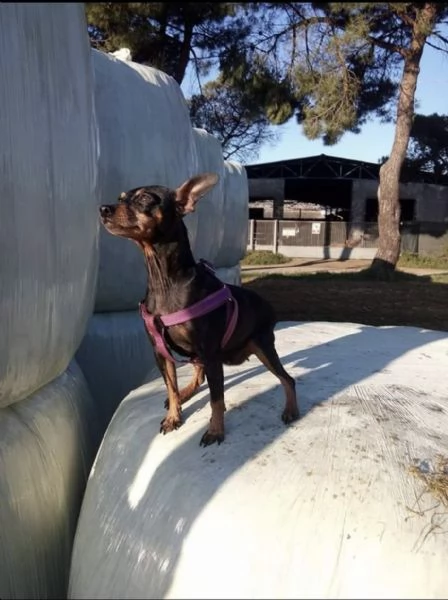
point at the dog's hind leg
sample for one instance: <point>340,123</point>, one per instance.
<point>190,390</point>
<point>263,346</point>
<point>173,419</point>
<point>215,377</point>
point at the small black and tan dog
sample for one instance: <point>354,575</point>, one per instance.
<point>153,218</point>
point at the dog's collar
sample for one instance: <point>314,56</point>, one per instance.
<point>198,309</point>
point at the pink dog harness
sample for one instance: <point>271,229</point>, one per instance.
<point>208,304</point>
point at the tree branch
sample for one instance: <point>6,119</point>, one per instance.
<point>388,46</point>
<point>441,37</point>
<point>437,47</point>
<point>196,70</point>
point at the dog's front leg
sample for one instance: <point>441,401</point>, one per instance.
<point>173,419</point>
<point>192,388</point>
<point>215,377</point>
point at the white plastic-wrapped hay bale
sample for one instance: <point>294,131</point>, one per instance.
<point>48,443</point>
<point>115,356</point>
<point>330,507</point>
<point>48,167</point>
<point>236,216</point>
<point>146,138</point>
<point>230,275</point>
<point>210,210</point>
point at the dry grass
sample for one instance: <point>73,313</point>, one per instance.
<point>424,262</point>
<point>435,480</point>
<point>354,298</point>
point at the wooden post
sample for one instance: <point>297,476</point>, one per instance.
<point>275,241</point>
<point>252,234</point>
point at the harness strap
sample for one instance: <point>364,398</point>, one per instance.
<point>151,328</point>
<point>198,309</point>
<point>232,318</point>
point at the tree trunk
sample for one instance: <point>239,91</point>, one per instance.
<point>388,253</point>
<point>185,49</point>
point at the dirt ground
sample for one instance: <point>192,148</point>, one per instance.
<point>415,302</point>
<point>310,265</point>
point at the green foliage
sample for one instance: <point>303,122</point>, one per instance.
<point>264,257</point>
<point>428,148</point>
<point>263,89</point>
<point>240,126</point>
<point>337,64</point>
<point>342,78</point>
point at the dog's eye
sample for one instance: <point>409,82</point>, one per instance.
<point>146,204</point>
<point>140,205</point>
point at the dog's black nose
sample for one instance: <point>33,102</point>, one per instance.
<point>105,210</point>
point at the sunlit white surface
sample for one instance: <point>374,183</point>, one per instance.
<point>327,507</point>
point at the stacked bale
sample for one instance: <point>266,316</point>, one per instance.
<point>145,138</point>
<point>209,232</point>
<point>48,266</point>
<point>48,442</point>
<point>226,206</point>
<point>235,222</point>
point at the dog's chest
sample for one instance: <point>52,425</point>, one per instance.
<point>180,338</point>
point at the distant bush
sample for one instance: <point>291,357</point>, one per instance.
<point>264,257</point>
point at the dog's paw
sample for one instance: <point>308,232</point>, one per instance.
<point>170,424</point>
<point>210,437</point>
<point>289,416</point>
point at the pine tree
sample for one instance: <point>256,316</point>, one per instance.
<point>346,62</point>
<point>428,147</point>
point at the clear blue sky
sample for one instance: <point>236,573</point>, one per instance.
<point>375,139</point>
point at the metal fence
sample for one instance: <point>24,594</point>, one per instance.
<point>274,234</point>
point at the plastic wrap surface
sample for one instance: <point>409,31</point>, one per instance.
<point>230,275</point>
<point>47,446</point>
<point>333,506</point>
<point>210,209</point>
<point>48,169</point>
<point>146,139</point>
<point>236,216</point>
<point>115,356</point>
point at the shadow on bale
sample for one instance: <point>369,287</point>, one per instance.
<point>138,511</point>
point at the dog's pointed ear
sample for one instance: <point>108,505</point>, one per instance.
<point>188,194</point>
